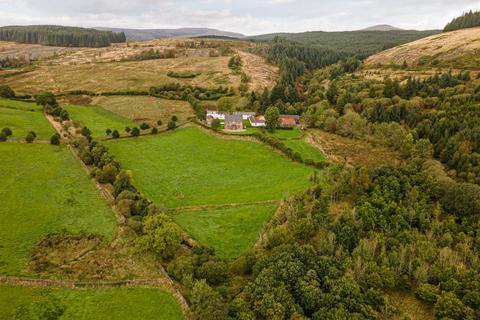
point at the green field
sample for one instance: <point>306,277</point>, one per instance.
<point>306,150</point>
<point>21,122</point>
<point>238,227</point>
<point>98,119</point>
<point>189,167</point>
<point>44,190</point>
<point>294,133</point>
<point>19,104</point>
<point>106,304</point>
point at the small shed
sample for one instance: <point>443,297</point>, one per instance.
<point>233,122</point>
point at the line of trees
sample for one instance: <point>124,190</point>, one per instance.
<point>60,36</point>
<point>467,20</point>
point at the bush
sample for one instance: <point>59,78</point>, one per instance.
<point>462,199</point>
<point>6,92</point>
<point>29,138</point>
<point>159,122</point>
<point>144,126</point>
<point>115,134</point>
<point>7,132</point>
<point>86,132</point>
<point>55,139</point>
<point>33,134</point>
<point>216,124</point>
<point>64,116</point>
<point>449,306</point>
<point>108,132</point>
<point>127,129</point>
<point>135,132</point>
<point>214,272</point>
<point>3,137</point>
<point>172,125</point>
<point>428,292</point>
<point>154,130</point>
<point>174,118</point>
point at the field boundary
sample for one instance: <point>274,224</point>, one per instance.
<point>220,206</point>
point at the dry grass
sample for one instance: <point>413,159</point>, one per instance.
<point>148,109</point>
<point>100,69</point>
<point>380,74</point>
<point>352,151</point>
<point>409,307</point>
<point>446,47</point>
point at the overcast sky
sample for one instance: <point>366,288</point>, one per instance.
<point>245,16</point>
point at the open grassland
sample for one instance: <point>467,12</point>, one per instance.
<point>17,104</point>
<point>189,167</point>
<point>409,307</point>
<point>230,231</point>
<point>21,122</point>
<point>100,69</point>
<point>43,191</point>
<point>114,304</point>
<point>306,150</point>
<point>456,49</point>
<point>98,119</point>
<point>143,108</point>
<point>352,151</point>
<point>287,133</point>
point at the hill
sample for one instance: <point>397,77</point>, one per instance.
<point>382,27</point>
<point>363,43</point>
<point>150,34</point>
<point>457,49</point>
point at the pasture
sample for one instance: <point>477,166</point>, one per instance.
<point>145,108</point>
<point>306,150</point>
<point>98,119</point>
<point>118,303</point>
<point>22,120</point>
<point>189,167</point>
<point>44,190</point>
<point>230,231</point>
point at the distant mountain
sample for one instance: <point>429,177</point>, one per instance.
<point>149,34</point>
<point>382,27</point>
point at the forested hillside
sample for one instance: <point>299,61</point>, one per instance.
<point>60,36</point>
<point>361,43</point>
<point>467,20</point>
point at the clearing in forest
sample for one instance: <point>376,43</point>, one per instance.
<point>116,303</point>
<point>98,120</point>
<point>188,169</point>
<point>44,190</point>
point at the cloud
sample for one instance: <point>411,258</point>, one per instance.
<point>246,16</point>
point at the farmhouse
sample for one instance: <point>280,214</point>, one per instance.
<point>287,122</point>
<point>233,122</point>
<point>258,121</point>
<point>290,116</point>
<point>245,115</point>
<point>215,114</point>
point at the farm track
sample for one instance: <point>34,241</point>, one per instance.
<point>165,283</point>
<point>220,206</point>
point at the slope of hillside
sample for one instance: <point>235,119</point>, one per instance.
<point>150,34</point>
<point>364,43</point>
<point>457,49</point>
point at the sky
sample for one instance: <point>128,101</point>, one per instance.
<point>249,17</point>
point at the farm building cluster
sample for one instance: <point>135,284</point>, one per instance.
<point>236,121</point>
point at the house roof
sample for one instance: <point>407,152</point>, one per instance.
<point>233,117</point>
<point>287,120</point>
<point>246,113</point>
<point>257,119</point>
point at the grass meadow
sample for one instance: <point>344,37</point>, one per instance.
<point>44,190</point>
<point>188,167</point>
<point>191,168</point>
<point>98,119</point>
<point>306,150</point>
<point>92,304</point>
<point>230,231</point>
<point>143,108</point>
<point>21,120</point>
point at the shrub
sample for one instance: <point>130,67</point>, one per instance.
<point>7,132</point>
<point>86,132</point>
<point>207,304</point>
<point>127,129</point>
<point>135,132</point>
<point>144,126</point>
<point>6,92</point>
<point>33,134</point>
<point>107,174</point>
<point>55,139</point>
<point>154,130</point>
<point>159,122</point>
<point>64,116</point>
<point>115,134</point>
<point>174,118</point>
<point>3,137</point>
<point>108,132</point>
<point>46,98</point>
<point>172,125</point>
<point>216,124</point>
<point>428,292</point>
<point>29,138</point>
<point>448,306</point>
